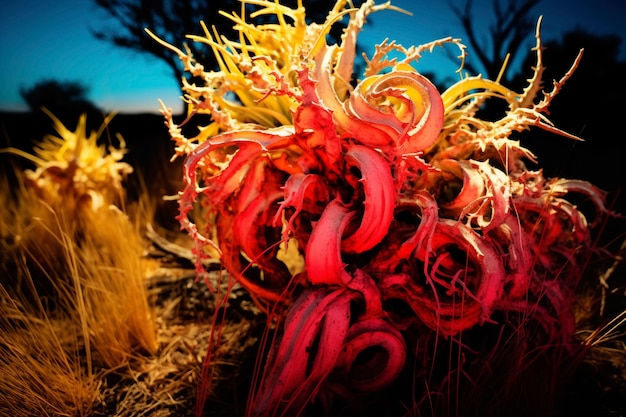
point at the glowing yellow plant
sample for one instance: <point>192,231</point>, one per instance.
<point>74,170</point>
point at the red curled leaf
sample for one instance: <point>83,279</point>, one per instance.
<point>405,237</point>
<point>380,198</point>
<point>242,270</point>
<point>562,187</point>
<point>259,239</point>
<point>363,283</point>
<point>220,187</point>
<point>323,251</point>
<point>346,125</point>
<point>303,192</point>
<point>315,129</point>
<point>387,356</point>
<point>515,248</point>
<point>463,283</point>
<point>402,103</point>
<point>557,229</point>
<point>315,332</point>
<point>498,196</point>
<point>472,190</point>
<point>245,147</point>
<point>479,292</point>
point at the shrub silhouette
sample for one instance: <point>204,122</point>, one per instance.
<point>65,99</point>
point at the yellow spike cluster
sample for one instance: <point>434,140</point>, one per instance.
<point>74,169</point>
<point>261,63</point>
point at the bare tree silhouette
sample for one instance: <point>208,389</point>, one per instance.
<point>171,20</point>
<point>513,24</point>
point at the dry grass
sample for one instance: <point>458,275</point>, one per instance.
<point>94,320</point>
<point>41,364</point>
<point>73,302</point>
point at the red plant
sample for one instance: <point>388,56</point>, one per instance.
<point>414,218</point>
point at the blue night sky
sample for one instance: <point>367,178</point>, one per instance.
<point>42,40</point>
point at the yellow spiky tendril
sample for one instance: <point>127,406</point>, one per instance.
<point>464,135</point>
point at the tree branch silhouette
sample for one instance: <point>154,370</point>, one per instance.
<point>512,26</point>
<point>172,20</point>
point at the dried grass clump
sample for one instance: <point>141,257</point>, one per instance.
<point>40,363</point>
<point>74,301</point>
